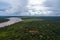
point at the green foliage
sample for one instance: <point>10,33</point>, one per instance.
<point>3,20</point>
<point>32,30</point>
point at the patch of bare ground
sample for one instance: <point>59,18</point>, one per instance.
<point>33,31</point>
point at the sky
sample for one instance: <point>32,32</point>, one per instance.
<point>29,7</point>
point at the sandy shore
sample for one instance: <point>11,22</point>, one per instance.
<point>10,22</point>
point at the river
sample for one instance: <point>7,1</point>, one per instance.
<point>10,22</point>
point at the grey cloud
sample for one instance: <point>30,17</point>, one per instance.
<point>54,6</point>
<point>4,6</point>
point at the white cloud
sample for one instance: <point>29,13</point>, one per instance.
<point>16,5</point>
<point>36,2</point>
<point>36,7</point>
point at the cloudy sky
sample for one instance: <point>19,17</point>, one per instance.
<point>29,7</point>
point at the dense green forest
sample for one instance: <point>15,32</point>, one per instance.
<point>3,20</point>
<point>32,29</point>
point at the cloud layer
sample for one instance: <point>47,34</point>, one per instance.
<point>12,7</point>
<point>46,8</point>
<point>29,7</point>
<point>54,7</point>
